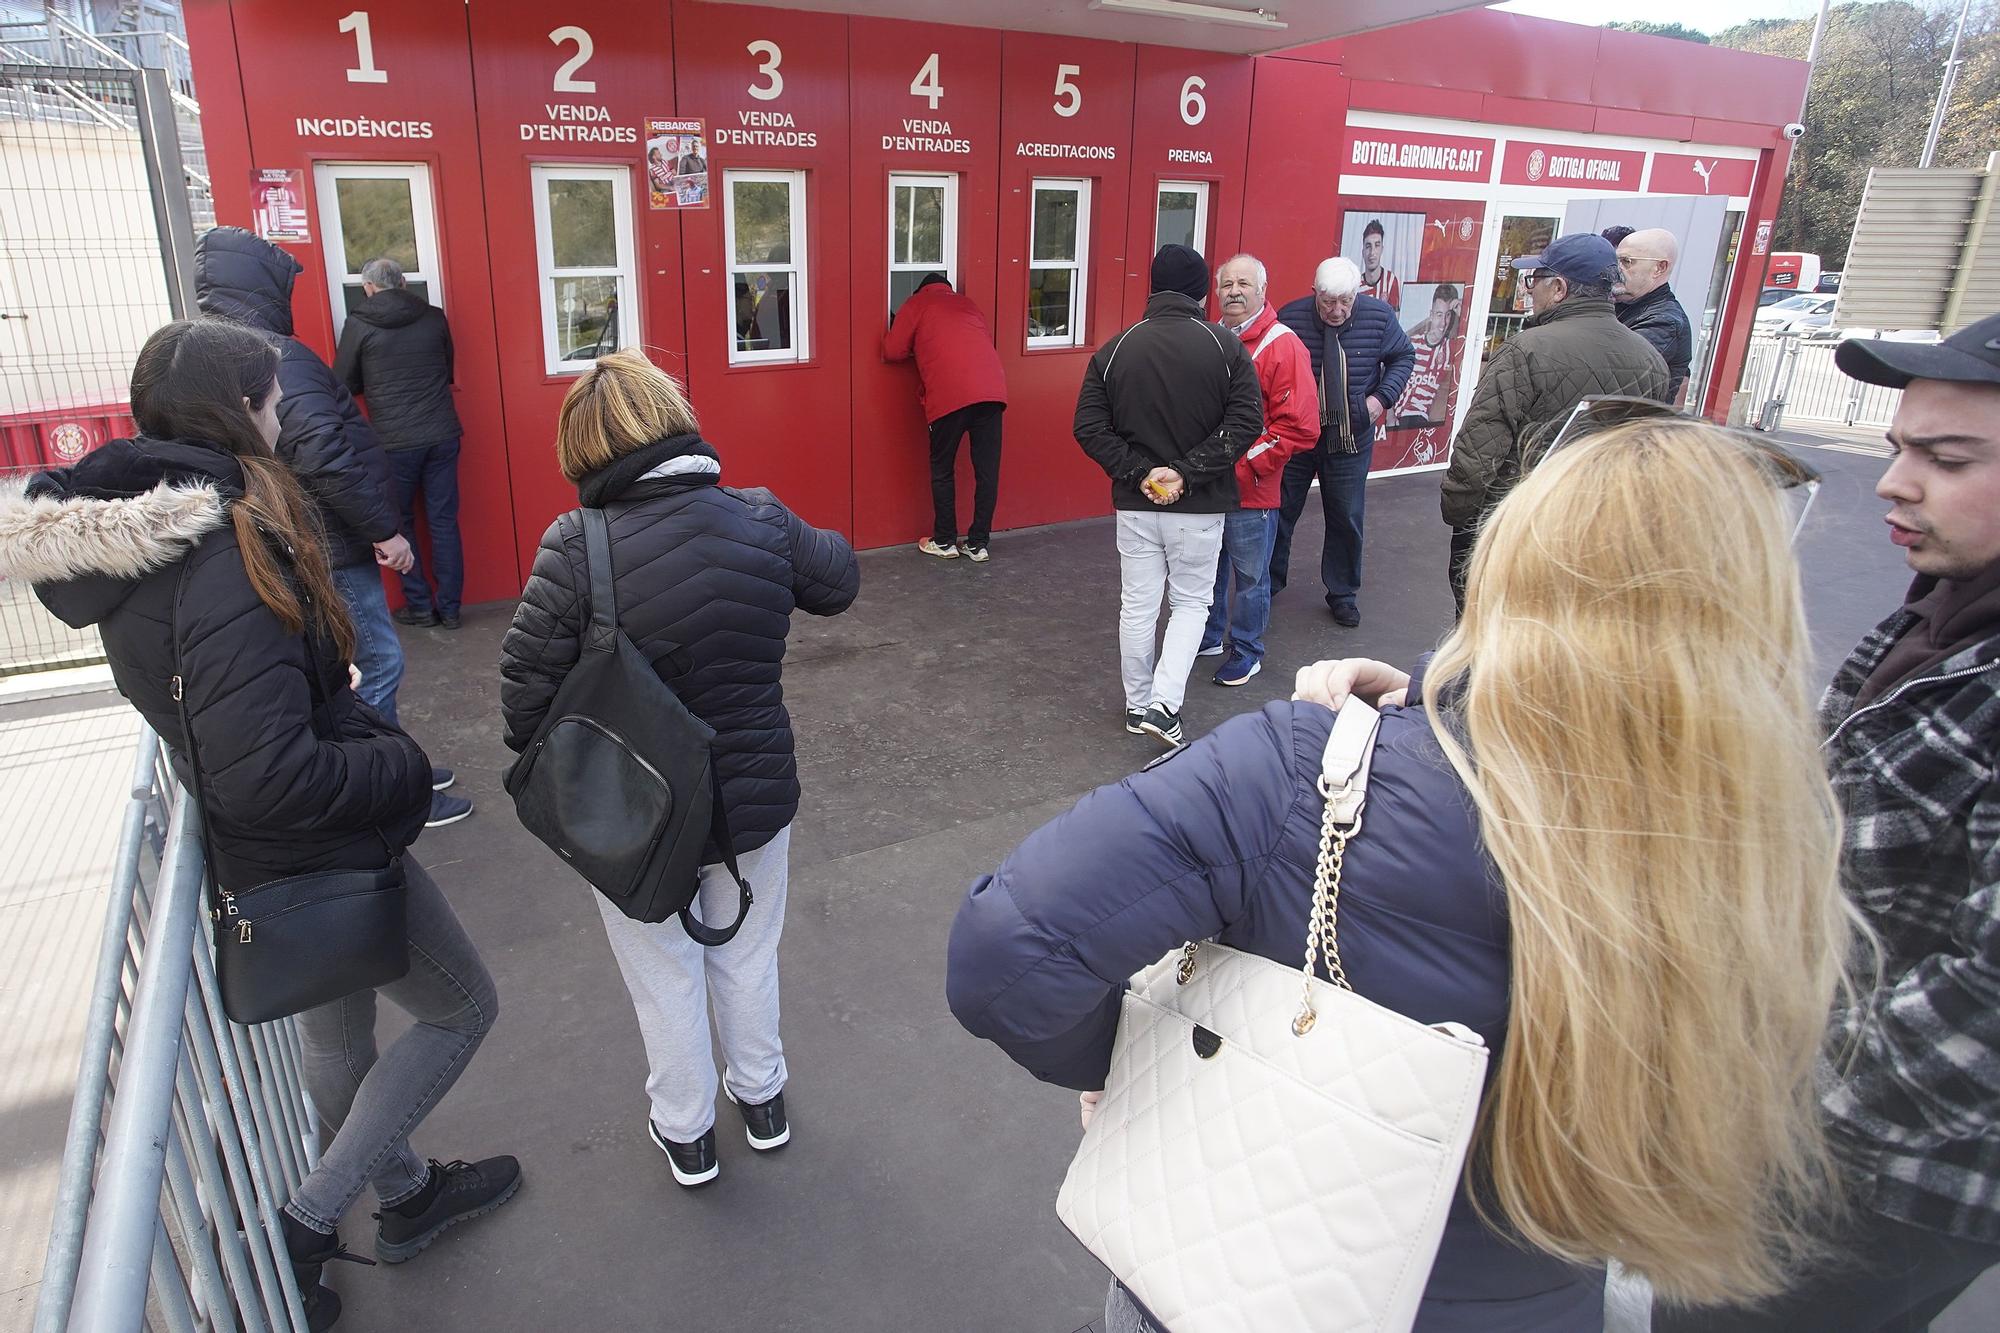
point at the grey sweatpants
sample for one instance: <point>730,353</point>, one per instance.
<point>1171,554</point>
<point>673,981</point>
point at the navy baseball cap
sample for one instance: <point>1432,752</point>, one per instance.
<point>1970,356</point>
<point>1582,257</point>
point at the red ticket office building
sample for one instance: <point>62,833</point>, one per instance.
<point>748,192</point>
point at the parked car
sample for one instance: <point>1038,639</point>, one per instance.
<point>1828,282</point>
<point>1772,295</point>
<point>1796,314</point>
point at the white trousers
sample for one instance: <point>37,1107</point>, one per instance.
<point>1169,553</point>
<point>673,982</point>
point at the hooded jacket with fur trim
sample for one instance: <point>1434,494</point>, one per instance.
<point>301,775</point>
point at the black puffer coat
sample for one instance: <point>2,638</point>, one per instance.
<point>396,351</point>
<point>706,579</point>
<point>322,436</point>
<point>301,775</point>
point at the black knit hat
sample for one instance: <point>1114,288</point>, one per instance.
<point>1178,269</point>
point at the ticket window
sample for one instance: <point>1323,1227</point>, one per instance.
<point>583,249</point>
<point>1059,262</point>
<point>1181,216</point>
<point>376,210</point>
<point>764,222</point>
<point>923,233</point>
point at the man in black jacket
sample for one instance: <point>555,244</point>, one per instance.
<point>396,351</point>
<point>1165,408</point>
<point>1648,306</point>
<point>328,445</point>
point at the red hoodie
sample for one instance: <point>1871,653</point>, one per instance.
<point>1291,407</point>
<point>954,350</point>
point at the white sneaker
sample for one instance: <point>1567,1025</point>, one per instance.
<point>1216,651</point>
<point>929,547</point>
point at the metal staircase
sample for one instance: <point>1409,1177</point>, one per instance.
<point>141,37</point>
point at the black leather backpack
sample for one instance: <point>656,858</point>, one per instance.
<point>619,780</point>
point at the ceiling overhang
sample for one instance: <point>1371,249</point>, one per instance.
<point>1237,27</point>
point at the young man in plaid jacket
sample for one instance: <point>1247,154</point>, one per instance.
<point>1912,1091</point>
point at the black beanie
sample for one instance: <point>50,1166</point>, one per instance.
<point>1179,269</point>
<point>932,278</point>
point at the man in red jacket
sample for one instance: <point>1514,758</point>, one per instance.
<point>963,389</point>
<point>1291,425</point>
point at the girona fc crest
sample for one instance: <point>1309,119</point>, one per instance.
<point>69,441</point>
<point>1536,161</point>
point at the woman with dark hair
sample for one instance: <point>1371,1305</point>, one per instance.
<point>298,774</point>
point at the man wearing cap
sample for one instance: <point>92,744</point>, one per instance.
<point>1165,409</point>
<point>1571,347</point>
<point>1911,1088</point>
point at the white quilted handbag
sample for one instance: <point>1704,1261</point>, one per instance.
<point>1262,1161</point>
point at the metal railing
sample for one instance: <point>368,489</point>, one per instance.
<point>1793,376</point>
<point>187,1131</point>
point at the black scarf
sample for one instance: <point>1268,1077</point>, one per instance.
<point>598,489</point>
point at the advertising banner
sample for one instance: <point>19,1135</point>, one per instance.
<point>676,163</point>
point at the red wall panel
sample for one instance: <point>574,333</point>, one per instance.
<point>225,124</point>
<point>1538,113</point>
<point>1291,203</point>
<point>785,426</point>
<point>516,64</point>
<point>1044,476</point>
<point>1642,124</point>
<point>1166,146</point>
<point>1441,103</point>
<point>892,498</point>
<point>297,83</point>
<point>1739,305</point>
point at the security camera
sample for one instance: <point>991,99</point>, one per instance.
<point>1795,131</point>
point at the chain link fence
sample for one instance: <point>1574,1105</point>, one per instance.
<point>96,248</point>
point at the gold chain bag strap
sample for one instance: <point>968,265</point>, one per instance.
<point>1266,1158</point>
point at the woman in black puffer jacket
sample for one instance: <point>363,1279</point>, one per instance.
<point>706,579</point>
<point>298,773</point>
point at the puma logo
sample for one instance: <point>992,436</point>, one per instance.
<point>1705,170</point>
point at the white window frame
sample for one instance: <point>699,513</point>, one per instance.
<point>1079,290</point>
<point>922,180</point>
<point>540,175</point>
<point>428,270</point>
<point>1199,189</point>
<point>798,267</point>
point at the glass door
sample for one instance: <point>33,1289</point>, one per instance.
<point>1181,216</point>
<point>1507,308</point>
<point>376,210</point>
<point>1711,310</point>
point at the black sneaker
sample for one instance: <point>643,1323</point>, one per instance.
<point>764,1123</point>
<point>1163,724</point>
<point>1135,721</point>
<point>403,615</point>
<point>446,810</point>
<point>448,620</point>
<point>311,1251</point>
<point>441,778</point>
<point>1345,614</point>
<point>694,1163</point>
<point>466,1190</point>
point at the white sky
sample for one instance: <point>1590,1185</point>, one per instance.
<point>1707,15</point>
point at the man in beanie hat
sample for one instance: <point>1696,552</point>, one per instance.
<point>1165,409</point>
<point>1911,1084</point>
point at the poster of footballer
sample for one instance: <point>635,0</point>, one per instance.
<point>1420,257</point>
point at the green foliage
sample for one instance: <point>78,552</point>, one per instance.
<point>1870,105</point>
<point>1678,31</point>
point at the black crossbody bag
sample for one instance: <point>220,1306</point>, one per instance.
<point>619,779</point>
<point>295,943</point>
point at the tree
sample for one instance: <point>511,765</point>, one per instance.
<point>1678,31</point>
<point>1870,105</point>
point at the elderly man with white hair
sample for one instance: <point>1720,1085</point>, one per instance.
<point>1647,305</point>
<point>1361,360</point>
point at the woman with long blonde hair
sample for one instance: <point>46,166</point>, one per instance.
<point>1598,833</point>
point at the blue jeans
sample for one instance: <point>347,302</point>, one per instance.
<point>433,469</point>
<point>378,653</point>
<point>1343,487</point>
<point>1247,537</point>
